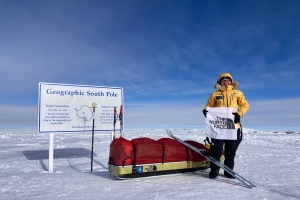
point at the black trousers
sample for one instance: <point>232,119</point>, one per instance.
<point>231,147</point>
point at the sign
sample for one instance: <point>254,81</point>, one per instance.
<point>68,108</point>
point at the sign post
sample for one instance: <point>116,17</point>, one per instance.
<point>94,105</point>
<point>51,150</point>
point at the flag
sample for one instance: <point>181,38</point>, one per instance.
<point>219,123</point>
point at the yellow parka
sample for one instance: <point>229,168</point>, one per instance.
<point>228,97</point>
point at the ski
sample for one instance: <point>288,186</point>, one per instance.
<point>247,183</point>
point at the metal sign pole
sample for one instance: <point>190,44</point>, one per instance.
<point>94,105</point>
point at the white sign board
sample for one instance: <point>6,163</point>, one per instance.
<point>68,108</point>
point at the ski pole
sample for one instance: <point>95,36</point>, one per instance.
<point>121,119</point>
<point>94,105</point>
<point>115,120</point>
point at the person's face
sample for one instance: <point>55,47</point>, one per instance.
<point>225,81</point>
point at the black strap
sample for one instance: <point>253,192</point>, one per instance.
<point>207,140</point>
<point>123,164</point>
<point>241,133</point>
<point>111,161</point>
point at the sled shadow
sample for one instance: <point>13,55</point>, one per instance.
<point>94,162</point>
<point>99,163</point>
<point>103,174</point>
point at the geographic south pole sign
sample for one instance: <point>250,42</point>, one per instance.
<point>68,108</point>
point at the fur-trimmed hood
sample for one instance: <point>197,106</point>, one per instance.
<point>234,84</point>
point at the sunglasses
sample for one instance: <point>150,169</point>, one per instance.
<point>225,80</point>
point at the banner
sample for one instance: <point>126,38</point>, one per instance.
<point>220,123</point>
<point>68,108</point>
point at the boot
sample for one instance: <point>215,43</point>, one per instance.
<point>213,173</point>
<point>227,175</point>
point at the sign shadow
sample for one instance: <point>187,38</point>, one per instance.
<point>65,153</point>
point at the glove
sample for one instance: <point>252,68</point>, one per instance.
<point>237,118</point>
<point>204,112</point>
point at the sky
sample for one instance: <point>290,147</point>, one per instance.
<point>270,161</point>
<point>166,55</point>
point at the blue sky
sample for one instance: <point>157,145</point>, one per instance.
<point>167,55</point>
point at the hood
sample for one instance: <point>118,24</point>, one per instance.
<point>225,75</point>
<point>234,84</point>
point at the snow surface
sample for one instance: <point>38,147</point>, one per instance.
<point>269,160</point>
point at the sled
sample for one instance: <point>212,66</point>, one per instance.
<point>143,157</point>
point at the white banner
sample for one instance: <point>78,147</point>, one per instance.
<point>68,108</point>
<point>220,123</point>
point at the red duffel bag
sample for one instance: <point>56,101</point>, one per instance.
<point>121,152</point>
<point>147,151</point>
<point>174,151</point>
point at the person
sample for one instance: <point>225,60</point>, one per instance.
<point>226,95</point>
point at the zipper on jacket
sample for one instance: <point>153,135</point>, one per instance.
<point>227,97</point>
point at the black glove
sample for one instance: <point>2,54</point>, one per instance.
<point>204,112</point>
<point>237,118</point>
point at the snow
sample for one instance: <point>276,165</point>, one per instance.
<point>269,160</point>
